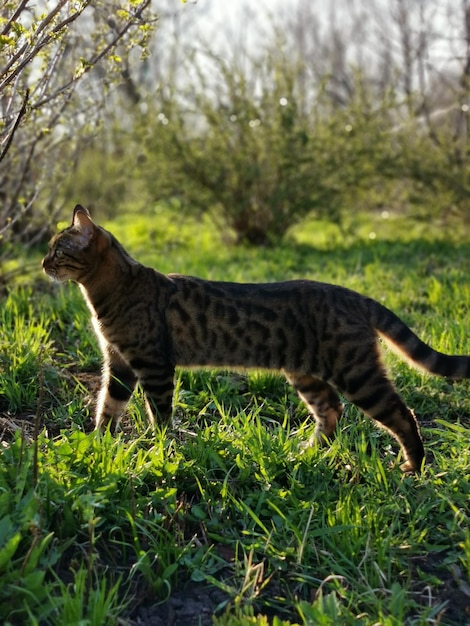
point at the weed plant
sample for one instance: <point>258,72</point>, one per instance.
<point>92,526</point>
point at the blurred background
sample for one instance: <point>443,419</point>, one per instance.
<point>257,114</point>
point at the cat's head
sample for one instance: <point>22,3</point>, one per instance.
<point>75,252</point>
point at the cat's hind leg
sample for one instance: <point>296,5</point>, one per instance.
<point>322,401</point>
<point>117,385</point>
<point>377,397</point>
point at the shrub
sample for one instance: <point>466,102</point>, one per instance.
<point>249,153</point>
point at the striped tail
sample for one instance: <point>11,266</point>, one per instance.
<point>402,339</point>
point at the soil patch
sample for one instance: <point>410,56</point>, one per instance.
<point>453,589</point>
<point>192,605</point>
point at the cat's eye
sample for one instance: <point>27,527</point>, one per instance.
<point>58,253</point>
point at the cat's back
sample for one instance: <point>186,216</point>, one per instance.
<point>274,325</point>
<point>267,300</point>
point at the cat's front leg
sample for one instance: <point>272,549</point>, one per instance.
<point>117,385</point>
<point>157,379</point>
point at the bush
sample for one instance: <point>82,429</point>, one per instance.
<point>248,151</point>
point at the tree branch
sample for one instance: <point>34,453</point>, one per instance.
<point>6,142</point>
<point>14,17</point>
<point>41,43</point>
<point>90,64</point>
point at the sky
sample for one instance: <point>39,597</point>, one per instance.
<point>213,19</point>
<point>230,25</point>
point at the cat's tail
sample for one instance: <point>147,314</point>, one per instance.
<point>404,341</point>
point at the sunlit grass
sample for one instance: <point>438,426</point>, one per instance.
<point>229,495</point>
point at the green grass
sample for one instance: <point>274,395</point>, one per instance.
<point>91,526</point>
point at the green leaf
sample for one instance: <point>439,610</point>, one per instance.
<point>8,551</point>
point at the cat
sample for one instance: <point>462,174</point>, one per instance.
<point>323,337</point>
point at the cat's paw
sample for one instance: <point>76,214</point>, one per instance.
<point>317,439</point>
<point>408,467</point>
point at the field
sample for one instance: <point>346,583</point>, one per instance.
<point>226,518</point>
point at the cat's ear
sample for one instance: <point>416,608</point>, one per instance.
<point>82,222</point>
<point>78,213</point>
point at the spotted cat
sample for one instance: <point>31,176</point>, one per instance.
<point>323,337</point>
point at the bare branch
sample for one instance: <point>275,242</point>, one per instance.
<point>6,141</point>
